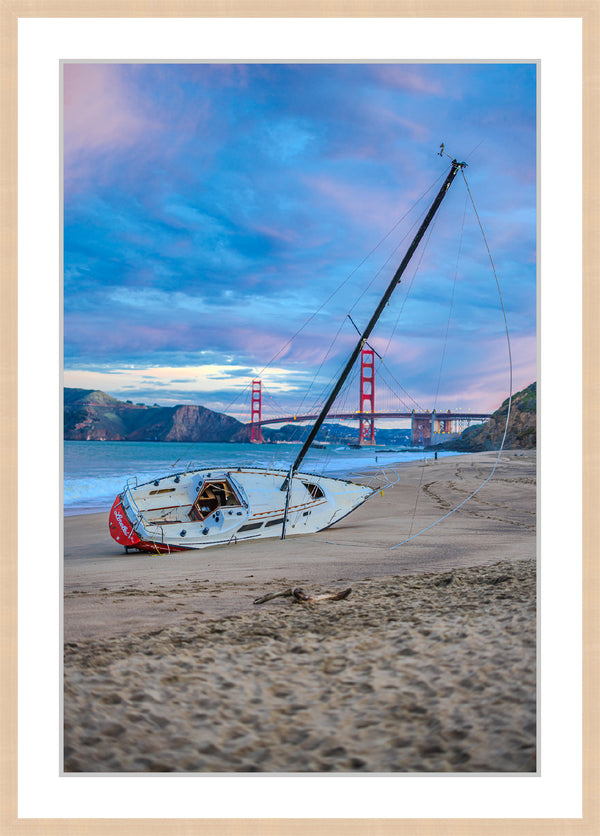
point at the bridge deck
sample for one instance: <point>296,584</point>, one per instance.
<point>356,416</point>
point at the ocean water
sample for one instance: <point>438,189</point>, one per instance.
<point>96,471</point>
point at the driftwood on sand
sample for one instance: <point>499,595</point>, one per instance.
<point>301,597</point>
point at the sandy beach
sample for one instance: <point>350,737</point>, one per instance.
<point>429,665</point>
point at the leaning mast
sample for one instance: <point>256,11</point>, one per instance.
<point>455,167</point>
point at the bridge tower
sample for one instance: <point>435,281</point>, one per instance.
<point>422,428</point>
<point>446,425</point>
<point>255,428</point>
<point>367,397</point>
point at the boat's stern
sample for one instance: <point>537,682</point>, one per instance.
<point>120,527</point>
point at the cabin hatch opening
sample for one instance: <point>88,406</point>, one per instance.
<point>314,490</point>
<point>213,494</point>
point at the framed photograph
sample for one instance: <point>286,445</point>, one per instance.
<point>289,284</point>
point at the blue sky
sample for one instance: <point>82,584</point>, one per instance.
<point>212,212</point>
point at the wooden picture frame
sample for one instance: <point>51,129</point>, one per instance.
<point>11,13</point>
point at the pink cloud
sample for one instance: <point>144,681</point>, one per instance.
<point>407,77</point>
<point>486,386</point>
<point>288,235</point>
<point>377,207</point>
<point>399,124</point>
<point>257,344</point>
<point>100,111</point>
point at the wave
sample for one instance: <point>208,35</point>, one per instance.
<point>94,473</point>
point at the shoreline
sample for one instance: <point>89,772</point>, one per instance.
<point>497,524</point>
<point>428,665</point>
<point>98,505</point>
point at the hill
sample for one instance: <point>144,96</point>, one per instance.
<point>92,415</point>
<point>521,433</point>
<point>334,434</point>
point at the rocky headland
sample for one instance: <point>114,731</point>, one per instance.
<point>521,433</point>
<point>92,415</point>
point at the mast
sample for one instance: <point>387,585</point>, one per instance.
<point>372,322</point>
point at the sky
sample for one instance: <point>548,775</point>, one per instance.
<point>224,222</point>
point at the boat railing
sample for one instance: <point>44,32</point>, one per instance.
<point>155,539</point>
<point>388,482</point>
<point>128,500</point>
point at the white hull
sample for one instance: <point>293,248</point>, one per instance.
<point>215,506</point>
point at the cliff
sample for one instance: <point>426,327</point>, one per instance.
<point>521,433</point>
<point>91,415</point>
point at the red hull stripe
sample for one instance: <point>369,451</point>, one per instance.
<point>122,531</point>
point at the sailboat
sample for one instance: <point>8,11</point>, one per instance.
<point>213,506</point>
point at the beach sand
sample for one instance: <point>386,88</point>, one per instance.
<point>428,666</point>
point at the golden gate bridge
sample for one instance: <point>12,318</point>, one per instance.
<point>426,426</point>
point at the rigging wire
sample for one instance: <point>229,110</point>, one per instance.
<point>437,391</point>
<point>365,289</point>
<point>510,363</point>
<point>237,397</point>
<point>377,274</point>
<point>344,395</point>
<point>383,365</point>
<point>508,412</point>
<point>318,370</point>
<point>343,321</point>
<point>393,400</point>
<point>471,153</point>
<point>451,308</point>
<point>349,276</point>
<point>416,223</point>
<point>411,283</point>
<point>401,311</point>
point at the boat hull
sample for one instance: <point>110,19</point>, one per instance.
<point>218,506</point>
<point>122,530</point>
